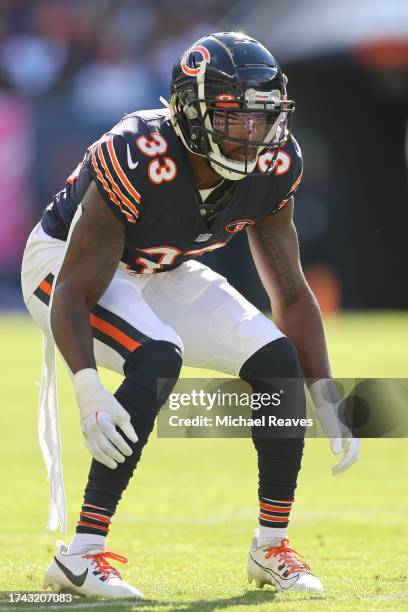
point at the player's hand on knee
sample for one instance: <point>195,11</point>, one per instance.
<point>350,447</point>
<point>101,414</point>
<point>102,439</point>
<point>326,408</point>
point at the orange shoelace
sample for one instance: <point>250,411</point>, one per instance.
<point>104,567</point>
<point>287,556</point>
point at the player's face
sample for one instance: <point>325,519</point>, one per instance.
<point>237,152</point>
<point>246,127</point>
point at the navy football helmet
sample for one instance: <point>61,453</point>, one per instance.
<point>228,102</point>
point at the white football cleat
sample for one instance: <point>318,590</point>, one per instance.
<point>280,567</point>
<point>89,574</point>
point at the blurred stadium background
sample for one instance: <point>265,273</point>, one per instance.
<point>70,68</point>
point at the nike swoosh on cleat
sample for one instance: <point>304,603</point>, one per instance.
<point>76,579</point>
<point>276,577</point>
<point>132,165</point>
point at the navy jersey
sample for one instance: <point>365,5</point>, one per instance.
<point>144,175</point>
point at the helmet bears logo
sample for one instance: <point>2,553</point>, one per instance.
<point>194,71</point>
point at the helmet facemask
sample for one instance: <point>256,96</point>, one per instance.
<point>237,137</point>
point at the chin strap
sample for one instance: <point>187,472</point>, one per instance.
<point>165,102</point>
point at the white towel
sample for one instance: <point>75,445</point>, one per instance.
<point>48,423</point>
<point>49,437</point>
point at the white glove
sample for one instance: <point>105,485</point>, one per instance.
<point>100,413</point>
<point>327,403</point>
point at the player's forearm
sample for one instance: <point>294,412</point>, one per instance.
<point>71,329</point>
<point>301,322</point>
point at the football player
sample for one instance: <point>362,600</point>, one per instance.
<point>111,274</point>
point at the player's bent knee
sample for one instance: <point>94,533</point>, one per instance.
<point>156,366</point>
<point>277,359</point>
<point>275,370</point>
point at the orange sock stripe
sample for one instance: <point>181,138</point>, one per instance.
<point>85,524</point>
<point>113,332</point>
<point>274,508</point>
<point>111,150</point>
<point>276,519</point>
<point>115,187</point>
<point>111,195</point>
<point>98,517</point>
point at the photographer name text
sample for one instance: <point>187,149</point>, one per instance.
<point>239,421</point>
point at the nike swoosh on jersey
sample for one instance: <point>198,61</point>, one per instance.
<point>76,579</point>
<point>132,165</point>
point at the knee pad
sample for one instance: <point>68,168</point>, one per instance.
<point>156,366</point>
<point>278,359</point>
<point>275,369</point>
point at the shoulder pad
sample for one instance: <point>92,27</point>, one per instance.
<point>290,167</point>
<point>287,168</point>
<point>285,177</point>
<point>141,122</point>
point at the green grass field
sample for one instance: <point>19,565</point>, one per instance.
<point>186,520</point>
